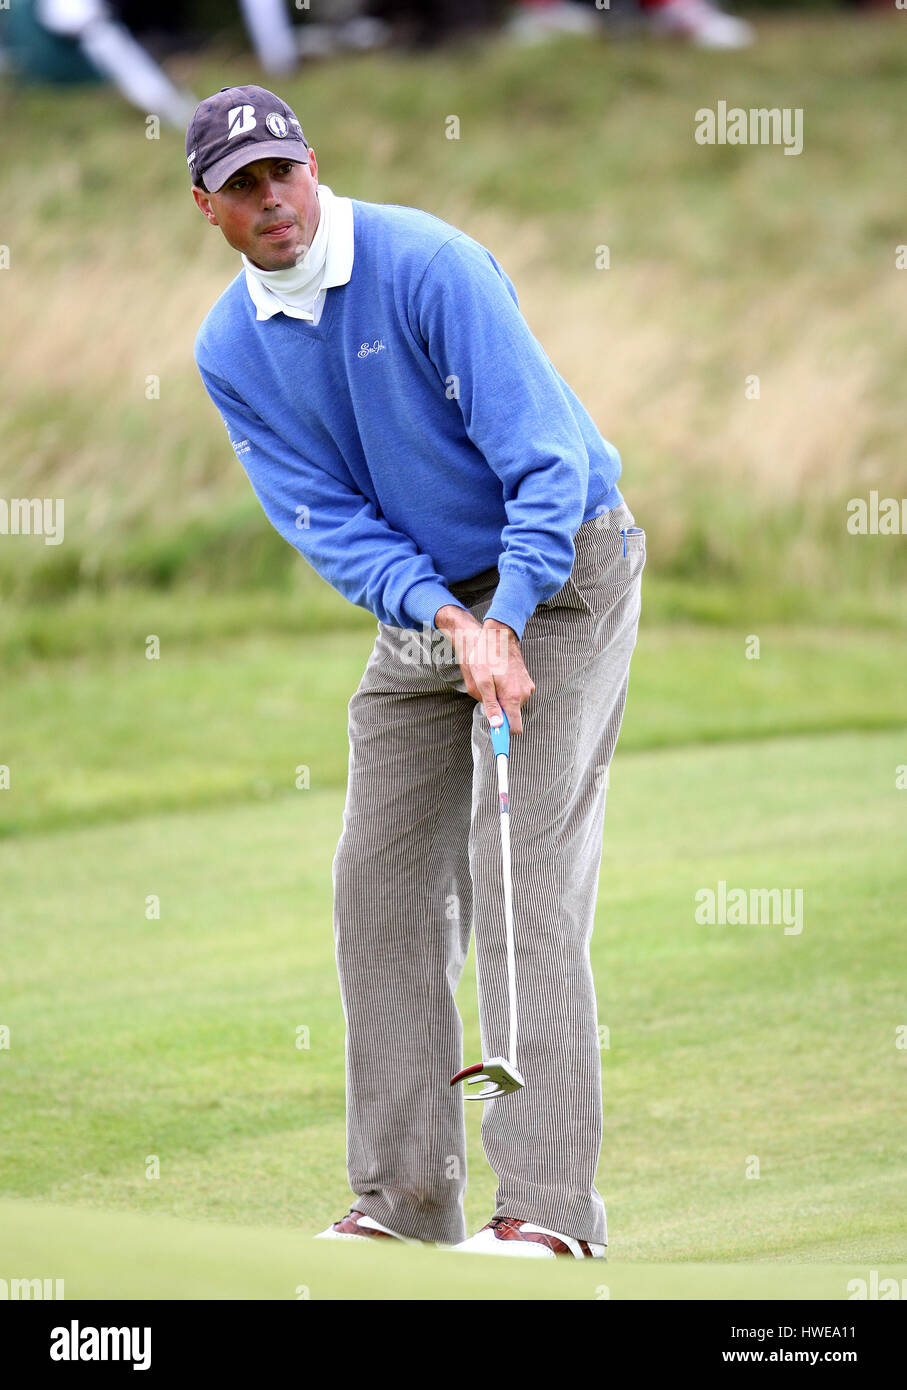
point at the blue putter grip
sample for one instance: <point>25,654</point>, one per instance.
<point>500,737</point>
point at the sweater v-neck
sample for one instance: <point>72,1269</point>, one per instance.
<point>320,330</point>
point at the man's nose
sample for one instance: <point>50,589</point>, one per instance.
<point>269,196</point>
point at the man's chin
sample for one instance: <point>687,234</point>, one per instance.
<point>267,259</point>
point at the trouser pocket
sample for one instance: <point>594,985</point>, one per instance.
<point>605,547</point>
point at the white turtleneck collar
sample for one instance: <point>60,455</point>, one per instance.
<point>299,290</point>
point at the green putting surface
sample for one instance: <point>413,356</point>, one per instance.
<point>753,1080</point>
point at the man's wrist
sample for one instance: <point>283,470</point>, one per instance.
<point>451,618</point>
<point>505,633</point>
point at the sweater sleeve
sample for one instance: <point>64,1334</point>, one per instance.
<point>337,529</point>
<point>514,411</point>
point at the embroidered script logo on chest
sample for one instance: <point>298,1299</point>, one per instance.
<point>367,349</point>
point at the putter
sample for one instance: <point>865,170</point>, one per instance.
<point>499,1075</point>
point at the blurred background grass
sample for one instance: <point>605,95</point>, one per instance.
<point>725,262</point>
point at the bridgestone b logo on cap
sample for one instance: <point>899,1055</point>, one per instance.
<point>239,120</point>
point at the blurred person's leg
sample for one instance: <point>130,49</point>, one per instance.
<point>112,51</point>
<point>700,21</point>
<point>270,29</point>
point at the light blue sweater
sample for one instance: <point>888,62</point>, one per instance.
<point>419,434</point>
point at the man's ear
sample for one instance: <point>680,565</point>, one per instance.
<point>203,202</point>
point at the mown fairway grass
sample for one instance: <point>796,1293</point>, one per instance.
<point>115,734</point>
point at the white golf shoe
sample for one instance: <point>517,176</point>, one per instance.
<point>703,23</point>
<point>356,1226</point>
<point>506,1236</point>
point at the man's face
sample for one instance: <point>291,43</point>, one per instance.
<point>268,209</point>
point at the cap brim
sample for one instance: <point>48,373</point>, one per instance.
<point>216,175</point>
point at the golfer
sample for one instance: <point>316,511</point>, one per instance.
<point>404,430</point>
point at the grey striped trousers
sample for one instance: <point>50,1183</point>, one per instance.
<point>418,865</point>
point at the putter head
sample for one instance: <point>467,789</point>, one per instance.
<point>498,1075</point>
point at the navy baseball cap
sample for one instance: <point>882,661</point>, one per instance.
<point>236,126</point>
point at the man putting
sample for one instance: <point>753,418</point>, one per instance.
<point>405,431</point>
